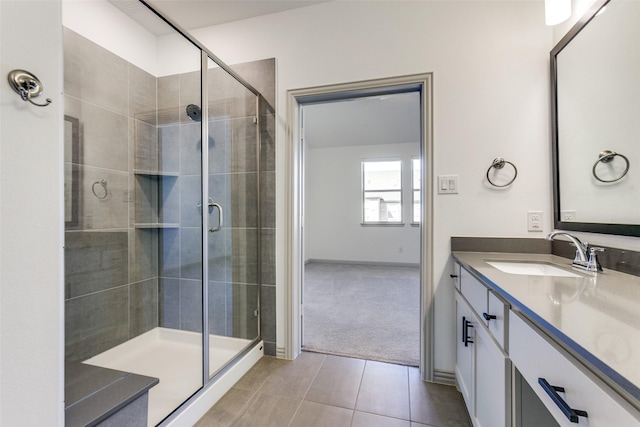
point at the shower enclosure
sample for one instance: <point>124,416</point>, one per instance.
<point>162,197</point>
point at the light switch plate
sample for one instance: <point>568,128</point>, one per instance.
<point>447,184</point>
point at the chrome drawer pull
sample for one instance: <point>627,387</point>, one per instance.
<point>552,391</point>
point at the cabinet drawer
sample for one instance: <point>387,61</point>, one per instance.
<point>498,326</point>
<point>536,357</point>
<point>456,275</point>
<point>474,291</point>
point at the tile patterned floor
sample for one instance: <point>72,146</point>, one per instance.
<point>325,390</point>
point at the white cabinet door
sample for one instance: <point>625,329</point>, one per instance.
<point>493,382</point>
<point>464,353</point>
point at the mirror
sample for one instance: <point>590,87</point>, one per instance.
<point>71,179</point>
<point>595,92</point>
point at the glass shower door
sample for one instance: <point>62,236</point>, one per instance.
<point>133,239</point>
<point>233,237</point>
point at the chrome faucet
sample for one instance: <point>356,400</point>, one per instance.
<point>582,249</point>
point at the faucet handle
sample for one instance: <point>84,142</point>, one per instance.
<point>594,264</point>
<point>576,259</point>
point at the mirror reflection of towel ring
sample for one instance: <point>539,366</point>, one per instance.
<point>605,157</point>
<point>103,183</point>
<point>498,163</point>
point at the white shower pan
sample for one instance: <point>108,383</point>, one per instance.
<point>175,358</point>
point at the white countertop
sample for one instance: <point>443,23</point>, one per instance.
<point>595,316</point>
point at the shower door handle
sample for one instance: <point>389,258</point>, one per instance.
<point>220,220</point>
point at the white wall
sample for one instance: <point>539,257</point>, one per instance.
<point>333,207</point>
<point>490,65</point>
<point>31,220</point>
<point>104,24</point>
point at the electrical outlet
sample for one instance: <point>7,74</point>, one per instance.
<point>534,221</point>
<point>567,215</point>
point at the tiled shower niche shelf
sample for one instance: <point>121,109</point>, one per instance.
<point>156,225</point>
<point>155,173</point>
<point>156,205</point>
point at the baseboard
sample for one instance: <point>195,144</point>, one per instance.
<point>444,377</point>
<point>382,263</point>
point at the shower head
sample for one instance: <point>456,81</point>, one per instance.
<point>194,112</point>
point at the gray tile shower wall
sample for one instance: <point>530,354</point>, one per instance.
<point>262,76</point>
<point>111,269</point>
<point>123,279</point>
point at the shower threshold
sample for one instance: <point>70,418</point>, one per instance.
<point>175,358</point>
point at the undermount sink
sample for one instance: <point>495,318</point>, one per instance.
<point>530,268</point>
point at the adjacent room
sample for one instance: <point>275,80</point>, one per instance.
<point>361,281</point>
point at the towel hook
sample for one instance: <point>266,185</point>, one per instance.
<point>498,163</point>
<point>27,85</point>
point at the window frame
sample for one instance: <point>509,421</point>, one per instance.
<point>414,160</point>
<point>363,193</point>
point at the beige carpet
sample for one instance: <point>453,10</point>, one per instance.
<point>365,311</point>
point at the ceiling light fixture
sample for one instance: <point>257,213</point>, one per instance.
<point>556,11</point>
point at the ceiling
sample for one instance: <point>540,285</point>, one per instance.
<point>387,119</point>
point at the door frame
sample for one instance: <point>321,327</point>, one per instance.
<point>293,199</point>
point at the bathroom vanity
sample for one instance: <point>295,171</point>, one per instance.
<point>542,344</point>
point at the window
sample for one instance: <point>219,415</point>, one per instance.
<point>382,191</point>
<point>415,180</point>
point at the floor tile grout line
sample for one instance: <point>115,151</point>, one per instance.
<point>385,416</point>
<point>409,394</point>
<point>255,394</point>
<point>355,405</point>
<point>295,413</point>
<point>324,358</point>
<point>243,408</point>
<point>258,390</point>
<point>253,397</point>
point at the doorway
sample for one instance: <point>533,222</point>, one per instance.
<point>361,236</point>
<point>294,212</point>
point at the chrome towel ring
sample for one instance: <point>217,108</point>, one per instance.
<point>607,156</point>
<point>498,163</point>
<point>27,86</point>
<point>103,183</point>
